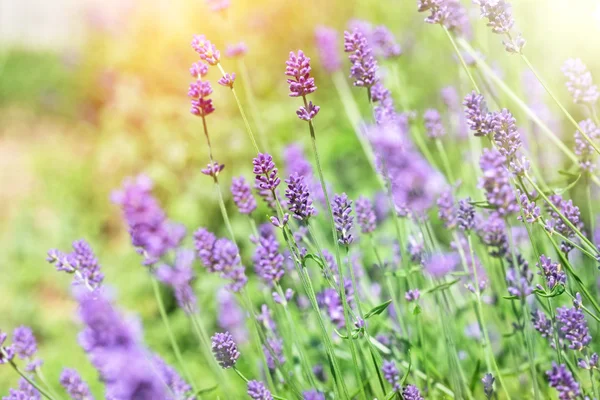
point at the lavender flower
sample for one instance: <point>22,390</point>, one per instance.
<point>446,210</point>
<point>25,345</point>
<point>82,261</point>
<point>225,349</point>
<point>299,201</point>
<point>543,325</point>
<point>242,195</point>
<point>268,261</point>
<point>25,392</point>
<point>313,395</point>
<point>589,363</point>
<point>496,183</point>
<point>465,214</point>
<point>266,172</point>
<point>326,40</point>
<point>519,277</point>
<point>364,66</point>
<point>273,351</point>
<point>298,68</point>
<point>258,391</point>
<point>448,13</point>
<point>201,104</point>
<point>6,352</point>
<point>562,380</point>
<point>180,278</point>
<point>330,300</point>
<point>433,124</point>
<point>506,135</point>
<point>391,374</point>
<point>580,82</point>
<point>412,295</point>
<point>342,208</point>
<point>385,42</point>
<point>498,14</point>
<point>583,149</point>
<point>199,70</point>
<point>572,324</point>
<point>179,387</point>
<point>440,264</point>
<point>227,80</point>
<point>230,316</point>
<point>478,117</point>
<point>411,392</point>
<point>150,230</point>
<point>206,50</point>
<point>493,234</point>
<point>488,385</point>
<point>365,215</point>
<point>236,50</point>
<point>552,273</point>
<point>556,223</point>
<point>531,212</point>
<point>74,385</point>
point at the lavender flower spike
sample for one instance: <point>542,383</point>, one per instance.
<point>583,149</point>
<point>74,385</point>
<point>7,353</point>
<point>342,208</point>
<point>488,385</point>
<point>242,195</point>
<point>506,135</point>
<point>225,349</point>
<point>301,83</point>
<point>433,123</point>
<point>465,214</point>
<point>299,201</point>
<point>411,392</point>
<point>391,374</point>
<point>580,82</point>
<point>206,50</point>
<point>551,272</point>
<point>365,215</point>
<point>562,380</point>
<point>24,342</point>
<point>326,40</point>
<point>268,261</point>
<point>266,172</point>
<point>477,114</point>
<point>258,391</point>
<point>364,66</point>
<point>573,325</point>
<point>496,183</point>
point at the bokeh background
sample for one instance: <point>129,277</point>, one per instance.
<point>94,91</point>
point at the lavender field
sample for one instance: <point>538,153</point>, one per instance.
<point>354,200</point>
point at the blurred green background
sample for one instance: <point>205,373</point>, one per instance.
<point>105,98</point>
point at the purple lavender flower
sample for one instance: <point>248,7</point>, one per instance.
<point>440,264</point>
<point>313,395</point>
<point>309,112</point>
<point>82,261</point>
<point>552,272</point>
<point>266,172</point>
<point>531,212</point>
<point>493,235</point>
<point>562,380</point>
<point>236,50</point>
<point>227,80</point>
<point>25,392</point>
<point>478,117</point>
<point>319,372</point>
<point>580,82</point>
<point>225,349</point>
<point>556,223</point>
<point>572,324</point>
<point>411,392</point>
<point>330,300</point>
<point>364,66</point>
<point>496,183</point>
<point>242,195</point>
<point>273,351</point>
<point>298,68</point>
<point>365,215</point>
<point>391,374</point>
<point>488,385</point>
<point>433,123</point>
<point>385,42</point>
<point>299,201</point>
<point>213,169</point>
<point>199,70</point>
<point>342,209</point>
<point>180,278</point>
<point>506,136</point>
<point>6,352</point>
<point>326,40</point>
<point>206,50</point>
<point>412,295</point>
<point>583,149</point>
<point>149,228</point>
<point>519,277</point>
<point>446,210</point>
<point>176,384</point>
<point>201,104</point>
<point>268,261</point>
<point>465,214</point>
<point>543,325</point>
<point>498,14</point>
<point>258,391</point>
<point>76,387</point>
<point>24,342</point>
<point>230,316</point>
<point>589,363</point>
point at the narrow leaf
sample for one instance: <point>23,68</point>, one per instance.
<point>377,309</point>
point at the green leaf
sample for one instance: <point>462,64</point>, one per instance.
<point>569,186</point>
<point>417,310</point>
<point>377,309</point>
<point>475,376</point>
<point>316,259</point>
<point>207,390</point>
<point>442,286</point>
<point>556,291</point>
<point>511,297</point>
<point>405,377</point>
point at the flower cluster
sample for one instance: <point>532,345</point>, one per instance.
<point>342,209</point>
<point>298,196</point>
<point>364,66</point>
<point>391,374</point>
<point>301,83</point>
<point>556,223</point>
<point>326,39</point>
<point>241,192</point>
<point>580,82</point>
<point>572,324</point>
<point>268,261</point>
<point>81,261</point>
<point>552,272</point>
<point>496,183</point>
<point>225,349</point>
<point>583,149</point>
<point>365,215</point>
<point>560,378</point>
<point>433,123</point>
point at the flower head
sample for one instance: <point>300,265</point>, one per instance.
<point>268,261</point>
<point>411,392</point>
<point>258,391</point>
<point>479,119</point>
<point>446,209</point>
<point>391,374</point>
<point>583,149</point>
<point>498,14</point>
<point>552,272</point>
<point>76,387</point>
<point>519,277</point>
<point>364,66</point>
<point>326,39</point>
<point>365,215</point>
<point>6,352</point>
<point>313,395</point>
<point>242,195</point>
<point>385,42</point>
<point>412,295</point>
<point>198,70</point>
<point>227,80</point>
<point>236,50</point>
<point>562,380</point>
<point>433,123</point>
<point>572,324</point>
<point>266,172</point>
<point>180,278</point>
<point>556,223</point>
<point>465,214</point>
<point>213,169</point>
<point>81,261</point>
<point>493,234</point>
<point>206,50</point>
<point>225,349</point>
<point>24,342</point>
<point>505,133</point>
<point>440,264</point>
<point>342,209</point>
<point>496,183</point>
<point>298,69</point>
<point>299,201</point>
<point>580,82</point>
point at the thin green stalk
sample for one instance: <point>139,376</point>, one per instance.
<point>174,345</point>
<point>42,377</point>
<point>254,114</point>
<point>29,380</point>
<point>337,252</point>
<point>462,60</point>
<point>559,104</point>
<point>239,104</point>
<point>445,160</point>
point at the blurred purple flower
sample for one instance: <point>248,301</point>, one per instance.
<point>364,66</point>
<point>552,272</point>
<point>268,261</point>
<point>82,261</point>
<point>572,324</point>
<point>385,42</point>
<point>496,183</point>
<point>391,374</point>
<point>433,124</point>
<point>206,50</point>
<point>441,264</point>
<point>76,387</point>
<point>446,209</point>
<point>242,196</point>
<point>227,80</point>
<point>580,82</point>
<point>365,215</point>
<point>583,149</point>
<point>342,209</point>
<point>236,50</point>
<point>180,278</point>
<point>326,39</point>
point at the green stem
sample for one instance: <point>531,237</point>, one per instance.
<point>462,60</point>
<point>445,160</point>
<point>29,380</point>
<point>174,345</point>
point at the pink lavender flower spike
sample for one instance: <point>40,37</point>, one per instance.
<point>213,169</point>
<point>227,80</point>
<point>206,50</point>
<point>298,69</point>
<point>364,66</point>
<point>326,39</point>
<point>561,379</point>
<point>342,210</point>
<point>242,196</point>
<point>201,104</point>
<point>580,82</point>
<point>225,349</point>
<point>258,391</point>
<point>236,50</point>
<point>76,387</point>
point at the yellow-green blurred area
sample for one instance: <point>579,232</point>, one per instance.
<point>105,98</point>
